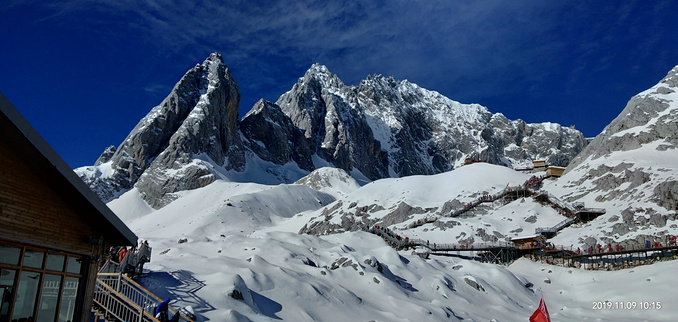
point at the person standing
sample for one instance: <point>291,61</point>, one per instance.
<point>122,254</point>
<point>161,311</point>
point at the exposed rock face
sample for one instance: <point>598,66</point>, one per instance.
<point>200,116</point>
<point>380,128</point>
<point>318,105</point>
<point>667,194</point>
<point>211,128</point>
<point>274,138</point>
<point>106,156</point>
<point>383,127</point>
<point>634,155</point>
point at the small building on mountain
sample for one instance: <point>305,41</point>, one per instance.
<point>539,163</point>
<point>529,242</point>
<point>555,171</point>
<point>54,230</point>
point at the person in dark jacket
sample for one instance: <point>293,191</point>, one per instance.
<point>161,311</point>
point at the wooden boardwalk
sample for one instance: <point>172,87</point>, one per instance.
<point>615,259</point>
<point>502,252</point>
<point>507,252</point>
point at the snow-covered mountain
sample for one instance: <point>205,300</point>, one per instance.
<point>231,235</point>
<point>381,128</point>
<point>399,202</point>
<point>388,128</point>
<point>631,169</point>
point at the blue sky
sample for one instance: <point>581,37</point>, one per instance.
<point>85,72</point>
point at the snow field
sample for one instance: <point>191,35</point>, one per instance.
<point>204,250</point>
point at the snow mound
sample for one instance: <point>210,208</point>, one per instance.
<point>333,181</point>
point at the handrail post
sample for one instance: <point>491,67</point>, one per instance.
<point>141,312</point>
<point>117,285</point>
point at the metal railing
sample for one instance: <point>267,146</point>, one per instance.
<point>116,305</point>
<point>528,186</point>
<point>554,200</point>
<point>555,229</point>
<point>592,210</point>
<point>421,222</point>
<point>404,242</point>
<point>564,223</point>
<point>116,288</point>
<point>132,263</point>
<point>463,247</point>
<point>110,267</point>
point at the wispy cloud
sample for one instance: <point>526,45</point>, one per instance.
<point>463,49</point>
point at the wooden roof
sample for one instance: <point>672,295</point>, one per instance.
<point>527,239</point>
<point>41,158</point>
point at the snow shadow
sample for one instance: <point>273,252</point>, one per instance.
<point>266,306</point>
<point>180,286</point>
<point>386,272</point>
<point>466,257</point>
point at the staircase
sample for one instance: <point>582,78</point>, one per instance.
<point>118,298</point>
<point>552,231</point>
<point>513,193</point>
<point>112,305</point>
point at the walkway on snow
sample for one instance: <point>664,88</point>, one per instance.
<point>506,252</point>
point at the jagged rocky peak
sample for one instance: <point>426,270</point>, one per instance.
<point>307,102</point>
<point>457,131</point>
<point>198,117</point>
<point>108,153</point>
<point>380,128</point>
<point>321,106</point>
<point>417,131</point>
<point>322,75</point>
<point>211,129</point>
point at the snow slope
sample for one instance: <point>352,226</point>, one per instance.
<point>398,202</point>
<point>284,275</point>
<point>644,293</point>
<point>237,236</point>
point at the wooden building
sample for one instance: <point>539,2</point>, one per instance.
<point>539,163</point>
<point>529,242</point>
<point>54,230</point>
<point>555,171</point>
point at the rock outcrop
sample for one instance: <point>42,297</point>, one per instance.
<point>649,117</point>
<point>274,138</point>
<point>319,105</point>
<point>630,168</point>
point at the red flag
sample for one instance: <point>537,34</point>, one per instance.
<point>541,314</point>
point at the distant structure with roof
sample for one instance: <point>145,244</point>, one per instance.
<point>555,171</point>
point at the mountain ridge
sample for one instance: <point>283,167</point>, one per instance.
<point>380,128</point>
